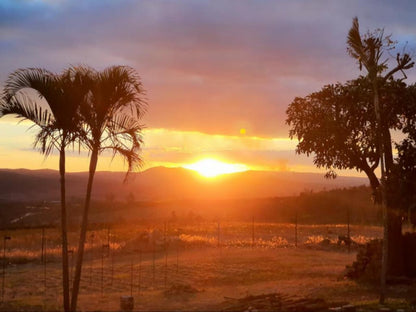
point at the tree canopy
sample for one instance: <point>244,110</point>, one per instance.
<point>338,126</point>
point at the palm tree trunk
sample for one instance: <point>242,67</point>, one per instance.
<point>64,231</point>
<point>83,234</point>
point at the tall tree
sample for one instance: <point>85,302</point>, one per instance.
<point>369,50</point>
<point>111,117</point>
<point>337,125</point>
<point>59,124</point>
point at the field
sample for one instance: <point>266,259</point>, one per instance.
<point>187,267</point>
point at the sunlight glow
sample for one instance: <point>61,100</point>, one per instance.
<point>209,167</point>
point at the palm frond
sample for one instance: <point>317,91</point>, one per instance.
<point>38,79</point>
<point>47,139</point>
<point>355,45</point>
<point>130,156</point>
<point>116,93</point>
<point>122,123</point>
<point>123,136</point>
<point>63,93</point>
<point>26,109</point>
<point>120,88</point>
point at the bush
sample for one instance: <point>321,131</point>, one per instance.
<point>367,267</point>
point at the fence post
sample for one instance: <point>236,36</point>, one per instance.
<point>166,267</point>
<point>6,238</point>
<point>131,277</point>
<point>177,257</point>
<point>42,245</point>
<point>166,255</point>
<point>140,272</point>
<point>218,234</point>
<point>348,229</point>
<point>112,267</point>
<point>296,228</point>
<point>92,256</point>
<point>108,240</point>
<point>252,232</point>
<point>44,262</point>
<point>154,260</point>
<point>103,247</point>
<point>71,252</point>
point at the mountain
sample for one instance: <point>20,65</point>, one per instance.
<point>160,184</point>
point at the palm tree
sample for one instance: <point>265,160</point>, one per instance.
<point>368,50</point>
<point>111,118</point>
<point>59,124</point>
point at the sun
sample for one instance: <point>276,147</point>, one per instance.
<point>209,167</point>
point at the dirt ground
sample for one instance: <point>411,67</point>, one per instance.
<point>206,277</point>
<point>197,271</point>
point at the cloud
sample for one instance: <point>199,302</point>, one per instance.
<point>208,67</point>
<point>178,148</point>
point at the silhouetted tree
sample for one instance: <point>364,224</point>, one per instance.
<point>338,126</point>
<point>368,50</point>
<point>111,118</point>
<point>59,125</point>
<point>405,169</point>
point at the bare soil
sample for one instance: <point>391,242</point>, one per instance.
<point>198,277</point>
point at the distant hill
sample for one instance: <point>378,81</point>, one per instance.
<point>160,184</point>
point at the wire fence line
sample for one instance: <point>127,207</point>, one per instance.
<point>136,259</point>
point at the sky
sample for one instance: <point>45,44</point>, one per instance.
<point>218,75</point>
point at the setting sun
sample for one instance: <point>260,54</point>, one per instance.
<point>211,167</point>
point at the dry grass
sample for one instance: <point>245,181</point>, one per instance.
<point>193,257</point>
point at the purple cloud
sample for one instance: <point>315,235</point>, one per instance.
<point>207,66</point>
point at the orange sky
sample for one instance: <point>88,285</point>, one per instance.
<point>162,147</point>
<point>209,70</point>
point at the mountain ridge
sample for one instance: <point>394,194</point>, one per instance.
<point>162,183</point>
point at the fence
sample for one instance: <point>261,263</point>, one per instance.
<point>137,259</point>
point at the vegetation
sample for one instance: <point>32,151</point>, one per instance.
<point>347,126</point>
<point>60,124</point>
<point>344,126</point>
<point>193,258</point>
<point>369,50</point>
<point>325,207</point>
<point>99,110</point>
<point>111,118</point>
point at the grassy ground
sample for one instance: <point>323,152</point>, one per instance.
<point>193,258</point>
